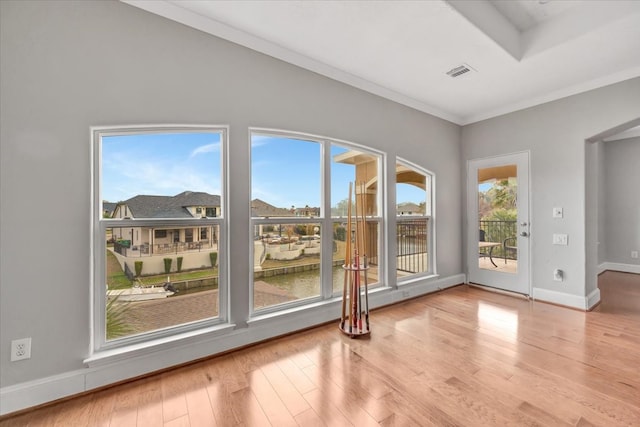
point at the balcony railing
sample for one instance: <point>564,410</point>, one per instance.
<point>498,231</point>
<point>160,249</point>
<point>413,244</point>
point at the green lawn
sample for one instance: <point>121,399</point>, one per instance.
<point>159,279</point>
<point>116,279</point>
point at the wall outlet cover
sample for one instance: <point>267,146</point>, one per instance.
<point>561,239</point>
<point>20,349</point>
<point>558,275</point>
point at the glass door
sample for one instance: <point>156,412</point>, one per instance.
<point>498,222</point>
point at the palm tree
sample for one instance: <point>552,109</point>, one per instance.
<point>117,324</point>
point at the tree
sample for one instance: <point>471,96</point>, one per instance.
<point>289,230</point>
<point>499,201</point>
<point>503,194</point>
<point>167,265</point>
<point>341,208</point>
<point>138,267</point>
<point>117,323</point>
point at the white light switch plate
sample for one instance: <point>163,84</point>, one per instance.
<point>561,239</point>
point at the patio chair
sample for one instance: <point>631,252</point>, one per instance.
<point>509,244</point>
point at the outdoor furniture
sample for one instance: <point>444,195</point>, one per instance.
<point>483,244</point>
<point>509,244</point>
<point>489,245</point>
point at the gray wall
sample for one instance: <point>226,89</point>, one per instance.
<point>555,134</point>
<point>67,66</point>
<point>595,157</point>
<point>621,200</point>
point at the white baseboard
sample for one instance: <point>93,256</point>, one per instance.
<point>615,266</point>
<point>568,300</point>
<point>33,393</point>
<point>24,395</point>
<point>593,299</point>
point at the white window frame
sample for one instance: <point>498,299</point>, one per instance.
<point>379,215</point>
<point>325,219</point>
<point>99,225</point>
<point>429,214</point>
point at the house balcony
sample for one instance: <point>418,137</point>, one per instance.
<point>145,249</point>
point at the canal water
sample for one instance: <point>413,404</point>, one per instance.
<point>300,285</point>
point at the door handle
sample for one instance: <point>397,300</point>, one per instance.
<point>524,234</point>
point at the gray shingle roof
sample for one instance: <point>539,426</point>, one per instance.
<point>143,206</point>
<point>408,207</point>
<point>109,207</point>
<point>260,208</point>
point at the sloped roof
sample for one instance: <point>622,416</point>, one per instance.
<point>408,207</point>
<point>261,208</point>
<point>197,198</point>
<point>145,206</point>
<point>109,207</point>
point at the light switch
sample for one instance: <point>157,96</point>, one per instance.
<point>557,212</point>
<point>561,239</point>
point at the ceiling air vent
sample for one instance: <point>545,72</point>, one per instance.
<point>460,70</point>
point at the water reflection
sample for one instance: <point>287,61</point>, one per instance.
<point>304,284</point>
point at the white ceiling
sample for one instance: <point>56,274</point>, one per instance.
<point>522,52</point>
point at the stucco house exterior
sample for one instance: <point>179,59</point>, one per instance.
<point>409,208</point>
<point>148,241</point>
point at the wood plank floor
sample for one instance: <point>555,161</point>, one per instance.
<point>461,357</point>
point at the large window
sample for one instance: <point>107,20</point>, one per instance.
<point>299,197</point>
<point>160,226</point>
<point>361,169</point>
<point>157,258</point>
<point>413,220</point>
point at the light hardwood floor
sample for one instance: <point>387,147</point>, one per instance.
<point>463,356</point>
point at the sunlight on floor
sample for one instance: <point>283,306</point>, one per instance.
<point>497,319</point>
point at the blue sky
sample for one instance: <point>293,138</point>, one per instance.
<point>285,172</point>
<point>160,164</point>
<point>485,186</point>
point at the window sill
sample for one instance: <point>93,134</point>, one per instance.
<point>287,312</point>
<point>308,309</point>
<point>417,278</point>
<point>105,357</point>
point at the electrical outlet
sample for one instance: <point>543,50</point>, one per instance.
<point>634,254</point>
<point>20,349</point>
<point>558,275</point>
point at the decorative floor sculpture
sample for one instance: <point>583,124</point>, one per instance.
<point>354,322</point>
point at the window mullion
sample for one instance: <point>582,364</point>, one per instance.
<point>327,225</point>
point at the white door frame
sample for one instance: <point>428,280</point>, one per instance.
<point>519,282</point>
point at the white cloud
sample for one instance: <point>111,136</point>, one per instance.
<point>209,148</point>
